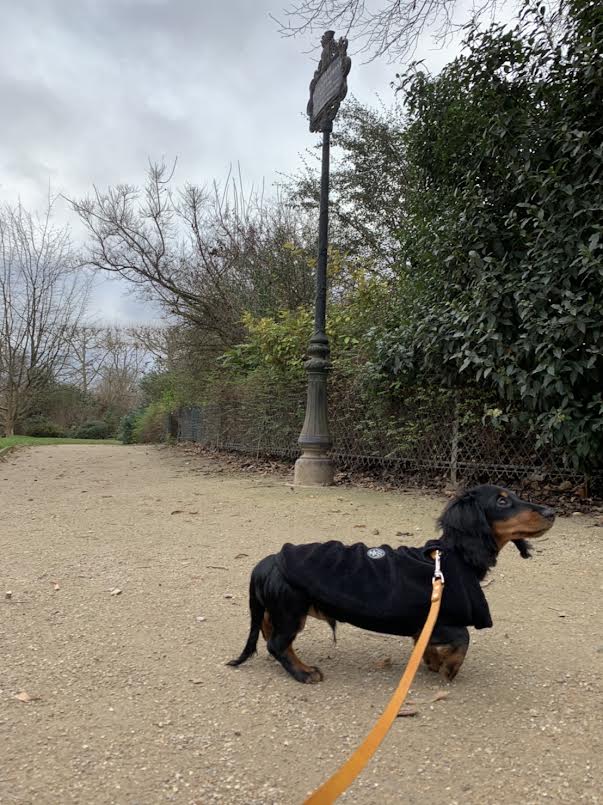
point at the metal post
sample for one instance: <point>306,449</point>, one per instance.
<point>327,89</point>
<point>314,466</point>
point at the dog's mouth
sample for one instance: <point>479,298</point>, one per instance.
<point>528,525</point>
<point>531,534</point>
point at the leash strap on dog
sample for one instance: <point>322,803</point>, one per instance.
<point>347,773</point>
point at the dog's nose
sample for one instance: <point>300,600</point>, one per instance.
<point>547,513</point>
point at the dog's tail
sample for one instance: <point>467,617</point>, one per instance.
<point>257,615</point>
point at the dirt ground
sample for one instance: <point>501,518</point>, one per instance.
<point>130,698</point>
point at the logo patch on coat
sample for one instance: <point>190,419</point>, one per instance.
<point>375,553</point>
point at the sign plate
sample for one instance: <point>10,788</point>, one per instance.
<point>329,85</point>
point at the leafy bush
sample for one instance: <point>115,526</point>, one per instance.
<point>94,429</point>
<point>275,344</point>
<point>503,229</point>
<point>41,426</point>
<point>127,425</point>
<point>149,424</point>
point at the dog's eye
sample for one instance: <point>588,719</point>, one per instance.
<point>503,502</point>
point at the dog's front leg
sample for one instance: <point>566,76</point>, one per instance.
<point>446,650</point>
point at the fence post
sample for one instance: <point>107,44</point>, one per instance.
<point>171,426</point>
<point>454,445</point>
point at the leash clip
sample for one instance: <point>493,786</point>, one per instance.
<point>437,573</point>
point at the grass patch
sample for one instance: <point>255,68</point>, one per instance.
<point>9,441</point>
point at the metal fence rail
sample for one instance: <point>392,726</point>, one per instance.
<point>425,443</point>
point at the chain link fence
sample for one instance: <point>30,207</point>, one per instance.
<point>426,439</point>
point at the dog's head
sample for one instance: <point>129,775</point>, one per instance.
<point>480,522</point>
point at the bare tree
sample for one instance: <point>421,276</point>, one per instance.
<point>87,356</point>
<point>125,360</point>
<point>108,361</point>
<point>383,27</point>
<point>42,298</point>
<point>160,342</point>
<point>206,254</point>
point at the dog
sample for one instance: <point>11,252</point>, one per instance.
<point>388,589</point>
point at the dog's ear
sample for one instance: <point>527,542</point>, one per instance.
<point>524,547</point>
<point>467,530</point>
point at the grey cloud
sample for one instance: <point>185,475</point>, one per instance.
<point>90,89</point>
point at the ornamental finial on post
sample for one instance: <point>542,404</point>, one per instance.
<point>329,84</point>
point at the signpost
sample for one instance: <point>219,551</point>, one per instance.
<point>327,89</point>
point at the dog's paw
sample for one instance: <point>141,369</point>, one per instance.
<point>432,659</point>
<point>315,675</point>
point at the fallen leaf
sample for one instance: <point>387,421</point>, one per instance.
<point>440,695</point>
<point>383,664</point>
<point>407,712</point>
<point>116,591</point>
<point>24,696</point>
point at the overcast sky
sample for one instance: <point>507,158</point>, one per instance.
<point>91,89</point>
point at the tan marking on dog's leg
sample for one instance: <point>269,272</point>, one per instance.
<point>432,658</point>
<point>445,659</point>
<point>313,674</point>
<point>452,660</point>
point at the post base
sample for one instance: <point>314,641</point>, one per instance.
<point>314,470</point>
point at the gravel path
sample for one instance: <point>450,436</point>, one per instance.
<point>136,706</point>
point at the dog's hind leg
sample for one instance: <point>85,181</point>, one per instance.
<point>285,629</point>
<point>266,626</point>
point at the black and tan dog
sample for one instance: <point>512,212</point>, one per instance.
<point>388,590</point>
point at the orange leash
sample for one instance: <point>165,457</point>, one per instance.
<point>347,773</point>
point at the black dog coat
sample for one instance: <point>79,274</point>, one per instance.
<point>384,589</point>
